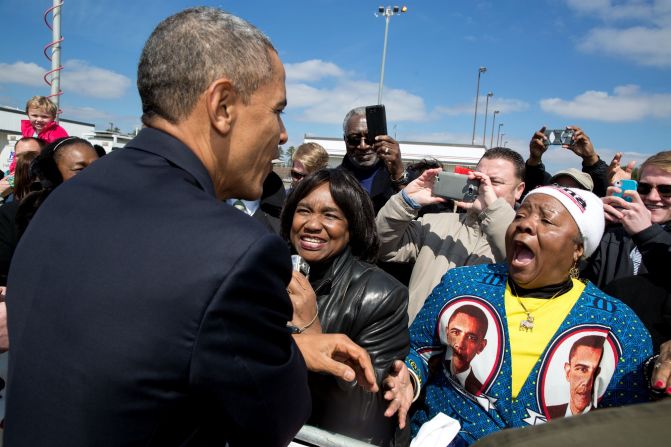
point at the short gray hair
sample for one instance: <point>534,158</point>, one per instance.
<point>191,49</point>
<point>357,111</point>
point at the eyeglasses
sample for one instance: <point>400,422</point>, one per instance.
<point>355,139</point>
<point>662,190</point>
<point>297,175</point>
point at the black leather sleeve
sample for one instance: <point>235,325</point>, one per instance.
<point>369,306</point>
<point>382,329</point>
<point>383,325</point>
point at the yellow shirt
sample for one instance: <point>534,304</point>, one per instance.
<point>526,347</point>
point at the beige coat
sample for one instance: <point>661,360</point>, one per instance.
<point>439,242</point>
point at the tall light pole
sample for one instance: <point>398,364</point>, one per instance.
<point>53,76</point>
<point>484,132</point>
<point>477,97</point>
<point>491,139</point>
<point>386,13</point>
<point>498,134</point>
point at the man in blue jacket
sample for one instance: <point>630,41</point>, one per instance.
<point>143,310</point>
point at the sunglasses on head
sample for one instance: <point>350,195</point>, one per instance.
<point>662,190</point>
<point>355,139</point>
<point>297,175</point>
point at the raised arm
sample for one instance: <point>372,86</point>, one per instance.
<point>399,231</point>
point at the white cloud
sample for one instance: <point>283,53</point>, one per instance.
<point>648,43</point>
<point>22,73</point>
<point>77,77</point>
<point>87,114</point>
<point>623,10</point>
<point>504,105</point>
<point>645,46</point>
<point>438,137</point>
<point>626,104</point>
<point>329,105</point>
<point>312,70</point>
<point>557,158</point>
<point>86,80</point>
<point>321,92</point>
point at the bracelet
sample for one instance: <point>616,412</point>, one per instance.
<point>648,366</point>
<point>416,388</point>
<point>299,330</point>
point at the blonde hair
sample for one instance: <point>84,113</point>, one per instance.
<point>313,156</point>
<point>661,160</point>
<point>42,102</point>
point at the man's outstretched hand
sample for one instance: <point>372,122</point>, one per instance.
<point>336,354</point>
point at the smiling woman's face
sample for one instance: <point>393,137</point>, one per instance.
<point>319,229</point>
<point>542,242</point>
<point>74,158</point>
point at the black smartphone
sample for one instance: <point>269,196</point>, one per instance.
<point>376,120</point>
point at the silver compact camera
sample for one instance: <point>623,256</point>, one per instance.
<point>456,186</point>
<point>300,265</point>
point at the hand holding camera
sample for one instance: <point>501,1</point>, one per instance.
<point>486,194</point>
<point>421,189</point>
<point>571,137</point>
<point>582,146</point>
<point>624,205</point>
<point>303,298</point>
<point>537,147</point>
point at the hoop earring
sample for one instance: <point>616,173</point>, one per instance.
<point>573,272</point>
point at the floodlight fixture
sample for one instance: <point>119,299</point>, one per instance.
<point>477,97</point>
<point>387,13</point>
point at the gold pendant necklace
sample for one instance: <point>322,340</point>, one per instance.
<point>527,325</point>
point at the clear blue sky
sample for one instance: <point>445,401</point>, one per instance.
<point>602,64</point>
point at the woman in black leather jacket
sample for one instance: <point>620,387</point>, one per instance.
<point>329,221</point>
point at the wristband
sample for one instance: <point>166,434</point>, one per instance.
<point>411,203</point>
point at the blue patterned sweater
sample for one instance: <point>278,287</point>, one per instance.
<point>619,380</point>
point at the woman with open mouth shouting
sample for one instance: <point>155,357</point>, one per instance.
<point>545,345</point>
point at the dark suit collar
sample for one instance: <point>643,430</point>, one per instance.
<point>165,145</point>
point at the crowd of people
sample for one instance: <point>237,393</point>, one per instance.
<point>151,298</point>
